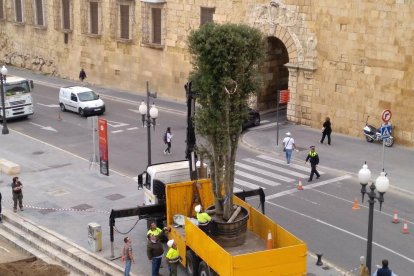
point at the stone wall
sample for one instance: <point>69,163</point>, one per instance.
<point>347,59</point>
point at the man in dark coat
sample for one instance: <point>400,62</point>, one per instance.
<point>384,271</point>
<point>82,74</point>
<point>155,252</point>
<point>313,158</point>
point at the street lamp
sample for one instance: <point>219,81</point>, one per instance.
<point>148,117</point>
<point>3,73</point>
<point>381,184</point>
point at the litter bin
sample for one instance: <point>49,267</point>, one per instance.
<point>95,236</point>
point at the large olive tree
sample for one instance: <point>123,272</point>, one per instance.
<point>225,73</point>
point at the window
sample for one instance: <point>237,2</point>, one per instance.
<point>39,12</point>
<point>124,21</point>
<point>1,9</point>
<point>153,29</point>
<point>94,18</point>
<point>66,14</point>
<point>206,15</point>
<point>18,10</point>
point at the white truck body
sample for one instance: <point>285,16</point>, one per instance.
<point>18,98</point>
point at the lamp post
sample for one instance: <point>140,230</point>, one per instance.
<point>381,184</point>
<point>148,118</point>
<point>3,73</point>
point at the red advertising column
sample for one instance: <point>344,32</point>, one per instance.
<point>103,147</point>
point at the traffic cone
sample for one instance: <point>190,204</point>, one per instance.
<point>300,187</point>
<point>269,243</point>
<point>356,204</point>
<point>395,219</point>
<point>405,228</point>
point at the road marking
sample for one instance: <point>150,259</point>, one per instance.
<point>48,105</point>
<point>5,249</point>
<point>341,229</point>
<point>291,191</point>
<point>246,184</point>
<point>116,131</point>
<point>304,199</point>
<point>264,121</point>
<point>116,124</point>
<point>264,126</point>
<point>132,128</point>
<point>236,190</point>
<point>45,127</point>
<point>257,178</point>
<point>298,167</point>
<point>273,167</point>
<point>264,172</point>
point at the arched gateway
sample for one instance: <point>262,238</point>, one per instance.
<point>290,61</point>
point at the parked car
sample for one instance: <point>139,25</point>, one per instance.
<point>253,119</point>
<point>81,100</point>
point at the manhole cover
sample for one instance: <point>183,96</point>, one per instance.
<point>114,197</point>
<point>38,152</point>
<point>82,207</point>
<point>58,192</point>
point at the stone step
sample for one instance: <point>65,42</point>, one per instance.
<point>20,236</point>
<point>98,264</point>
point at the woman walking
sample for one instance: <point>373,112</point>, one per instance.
<point>167,140</point>
<point>326,130</point>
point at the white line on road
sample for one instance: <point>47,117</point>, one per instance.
<point>342,230</point>
<point>264,126</point>
<point>304,199</point>
<point>277,161</point>
<point>273,167</point>
<point>264,172</point>
<point>291,191</point>
<point>45,127</point>
<point>246,184</point>
<point>257,178</point>
<point>116,131</point>
<point>48,105</point>
<point>132,128</point>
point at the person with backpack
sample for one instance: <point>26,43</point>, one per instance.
<point>167,140</point>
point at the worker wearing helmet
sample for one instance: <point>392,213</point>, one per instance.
<point>173,257</point>
<point>203,220</point>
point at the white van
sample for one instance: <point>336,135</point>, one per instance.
<point>81,100</point>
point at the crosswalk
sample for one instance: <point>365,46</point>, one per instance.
<point>267,172</point>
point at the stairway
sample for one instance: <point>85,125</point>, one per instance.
<point>53,248</point>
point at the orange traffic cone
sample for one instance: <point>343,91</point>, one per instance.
<point>300,187</point>
<point>269,243</point>
<point>395,219</point>
<point>405,228</point>
<point>356,204</point>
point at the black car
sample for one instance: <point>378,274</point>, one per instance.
<point>253,119</point>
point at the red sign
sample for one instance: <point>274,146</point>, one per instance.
<point>284,96</point>
<point>386,115</point>
<point>103,146</point>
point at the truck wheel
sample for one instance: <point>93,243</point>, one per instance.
<point>203,269</point>
<point>81,112</point>
<point>192,263</point>
<point>62,107</point>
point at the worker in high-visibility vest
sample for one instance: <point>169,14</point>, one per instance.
<point>203,220</point>
<point>313,157</point>
<point>173,257</point>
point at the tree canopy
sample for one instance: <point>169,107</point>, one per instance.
<point>225,61</point>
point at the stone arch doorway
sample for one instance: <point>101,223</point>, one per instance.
<point>275,73</point>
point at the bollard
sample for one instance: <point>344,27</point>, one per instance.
<point>319,262</point>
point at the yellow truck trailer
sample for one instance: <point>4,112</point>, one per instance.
<point>201,255</point>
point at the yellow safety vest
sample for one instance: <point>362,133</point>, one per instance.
<point>313,154</point>
<point>154,232</point>
<point>172,255</point>
<point>203,218</point>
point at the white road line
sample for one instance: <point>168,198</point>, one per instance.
<point>291,191</point>
<point>132,128</point>
<point>275,168</point>
<point>246,184</point>
<point>236,190</point>
<point>264,126</point>
<point>342,230</point>
<point>257,178</point>
<point>116,131</point>
<point>264,121</point>
<point>304,199</point>
<point>298,167</point>
<point>264,172</point>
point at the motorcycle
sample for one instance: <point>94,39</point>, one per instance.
<point>374,134</point>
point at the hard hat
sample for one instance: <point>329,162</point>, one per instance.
<point>170,243</point>
<point>198,208</point>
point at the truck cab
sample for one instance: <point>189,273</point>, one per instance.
<point>154,178</point>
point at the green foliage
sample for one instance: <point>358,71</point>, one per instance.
<point>225,73</point>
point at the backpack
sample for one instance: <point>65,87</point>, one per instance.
<point>165,138</point>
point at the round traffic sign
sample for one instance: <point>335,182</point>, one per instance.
<point>386,115</point>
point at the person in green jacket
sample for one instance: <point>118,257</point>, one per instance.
<point>203,220</point>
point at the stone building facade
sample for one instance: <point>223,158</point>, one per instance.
<point>342,59</point>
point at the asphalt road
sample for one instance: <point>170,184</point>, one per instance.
<point>322,216</point>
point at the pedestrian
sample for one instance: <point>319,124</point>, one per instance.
<point>167,140</point>
<point>155,252</point>
<point>173,257</point>
<point>127,256</point>
<point>313,158</point>
<point>1,219</point>
<point>203,219</point>
<point>17,187</point>
<point>326,130</point>
<point>82,74</point>
<point>384,271</point>
<point>288,146</point>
